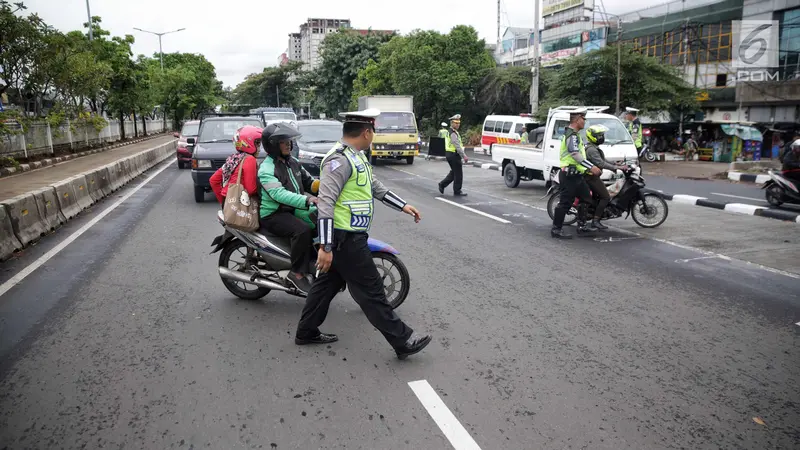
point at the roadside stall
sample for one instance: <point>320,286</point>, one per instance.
<point>738,143</point>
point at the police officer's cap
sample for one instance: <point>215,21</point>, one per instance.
<point>444,124</point>
<point>366,116</point>
<point>578,112</point>
<point>456,118</point>
<point>631,110</point>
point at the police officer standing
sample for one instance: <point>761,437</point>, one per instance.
<point>455,154</point>
<point>443,132</point>
<point>634,127</point>
<point>345,208</point>
<point>574,165</point>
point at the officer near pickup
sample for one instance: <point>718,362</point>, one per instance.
<point>455,154</point>
<point>345,207</point>
<point>634,127</point>
<point>574,165</point>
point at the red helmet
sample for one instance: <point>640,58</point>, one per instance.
<point>247,139</point>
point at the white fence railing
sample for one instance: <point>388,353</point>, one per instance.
<point>41,138</point>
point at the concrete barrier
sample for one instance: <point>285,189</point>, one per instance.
<point>115,176</point>
<point>67,199</point>
<point>99,184</point>
<point>127,169</point>
<point>49,209</point>
<point>8,240</point>
<point>26,222</point>
<point>81,188</point>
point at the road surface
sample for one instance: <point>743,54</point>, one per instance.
<point>679,337</point>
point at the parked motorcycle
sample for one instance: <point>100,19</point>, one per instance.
<point>253,264</point>
<point>628,195</point>
<point>780,190</point>
<point>647,154</point>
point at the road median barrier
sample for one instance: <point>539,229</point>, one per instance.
<point>26,221</point>
<point>26,217</point>
<point>8,240</point>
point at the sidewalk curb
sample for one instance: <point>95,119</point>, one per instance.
<point>24,219</point>
<point>748,177</point>
<point>35,165</point>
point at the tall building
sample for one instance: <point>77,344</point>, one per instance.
<point>312,33</point>
<point>294,52</point>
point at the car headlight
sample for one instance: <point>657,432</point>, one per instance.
<point>201,163</point>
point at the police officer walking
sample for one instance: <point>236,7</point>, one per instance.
<point>574,165</point>
<point>455,154</point>
<point>634,127</point>
<point>345,208</point>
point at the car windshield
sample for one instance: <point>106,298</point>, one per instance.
<point>616,134</point>
<point>190,129</point>
<point>395,121</point>
<point>223,130</point>
<point>320,133</point>
<point>279,116</point>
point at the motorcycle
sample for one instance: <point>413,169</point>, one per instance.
<point>266,264</point>
<point>780,190</point>
<point>647,154</point>
<point>628,195</point>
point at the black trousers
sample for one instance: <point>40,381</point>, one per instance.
<point>600,190</point>
<point>352,264</point>
<point>572,186</point>
<point>456,172</point>
<point>285,224</point>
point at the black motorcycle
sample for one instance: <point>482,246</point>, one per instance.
<point>628,195</point>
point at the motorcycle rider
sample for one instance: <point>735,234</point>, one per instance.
<point>285,206</point>
<point>573,165</point>
<point>596,135</point>
<point>791,163</point>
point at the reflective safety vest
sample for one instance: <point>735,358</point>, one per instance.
<point>443,133</point>
<point>566,157</point>
<point>636,133</point>
<point>354,207</point>
<point>448,143</point>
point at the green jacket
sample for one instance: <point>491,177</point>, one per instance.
<point>283,186</point>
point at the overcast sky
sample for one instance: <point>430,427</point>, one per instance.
<point>244,36</point>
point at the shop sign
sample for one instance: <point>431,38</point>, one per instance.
<point>552,58</point>
<point>554,6</point>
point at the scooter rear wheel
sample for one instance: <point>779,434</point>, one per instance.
<point>233,258</point>
<point>552,202</point>
<point>774,195</point>
<point>396,280</point>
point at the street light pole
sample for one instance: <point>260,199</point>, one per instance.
<point>534,97</point>
<point>89,13</point>
<point>160,48</point>
<point>619,58</point>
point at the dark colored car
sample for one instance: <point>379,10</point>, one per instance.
<point>214,145</point>
<point>184,152</point>
<point>319,137</point>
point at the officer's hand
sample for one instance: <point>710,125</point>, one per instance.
<point>410,210</point>
<point>466,159</point>
<point>596,171</point>
<point>312,200</point>
<point>324,260</point>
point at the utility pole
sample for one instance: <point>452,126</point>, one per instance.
<point>619,60</point>
<point>89,13</point>
<point>499,42</point>
<point>278,94</point>
<point>535,65</point>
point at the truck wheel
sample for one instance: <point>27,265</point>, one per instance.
<point>409,160</point>
<point>511,175</point>
<point>199,194</point>
<point>373,160</point>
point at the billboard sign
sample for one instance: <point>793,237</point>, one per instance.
<point>553,6</point>
<point>553,58</point>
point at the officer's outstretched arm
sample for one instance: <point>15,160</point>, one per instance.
<point>335,173</point>
<point>388,197</point>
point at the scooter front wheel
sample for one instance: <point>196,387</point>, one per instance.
<point>395,277</point>
<point>650,212</point>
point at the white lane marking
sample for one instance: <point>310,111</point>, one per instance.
<point>405,171</point>
<point>473,210</point>
<point>453,430</point>
<point>798,324</point>
<point>738,196</point>
<point>703,257</point>
<point>614,239</point>
<point>16,279</point>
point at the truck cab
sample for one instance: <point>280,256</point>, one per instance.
<point>396,134</point>
<point>538,159</point>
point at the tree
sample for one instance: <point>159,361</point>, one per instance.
<point>343,55</point>
<point>441,71</point>
<point>274,86</point>
<point>187,86</point>
<point>591,79</point>
<point>505,90</point>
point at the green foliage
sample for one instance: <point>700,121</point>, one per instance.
<point>506,90</point>
<point>267,87</point>
<point>472,136</point>
<point>187,86</point>
<point>7,161</point>
<point>591,79</point>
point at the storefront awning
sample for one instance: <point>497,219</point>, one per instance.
<point>743,132</point>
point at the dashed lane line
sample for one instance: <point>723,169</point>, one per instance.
<point>473,210</point>
<point>453,430</point>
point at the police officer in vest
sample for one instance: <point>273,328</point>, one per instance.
<point>574,165</point>
<point>455,153</point>
<point>634,127</point>
<point>345,207</point>
<point>443,132</point>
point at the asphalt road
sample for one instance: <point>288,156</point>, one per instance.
<point>716,190</point>
<point>127,338</point>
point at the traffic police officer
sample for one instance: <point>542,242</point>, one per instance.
<point>455,154</point>
<point>443,132</point>
<point>573,165</point>
<point>344,209</point>
<point>634,127</point>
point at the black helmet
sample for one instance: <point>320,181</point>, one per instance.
<point>276,132</point>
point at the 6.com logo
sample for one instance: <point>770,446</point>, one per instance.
<point>755,44</point>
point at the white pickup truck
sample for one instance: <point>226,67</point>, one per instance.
<point>540,158</point>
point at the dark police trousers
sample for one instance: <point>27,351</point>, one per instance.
<point>352,264</point>
<point>456,172</point>
<point>572,186</point>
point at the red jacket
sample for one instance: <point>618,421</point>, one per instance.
<point>249,179</point>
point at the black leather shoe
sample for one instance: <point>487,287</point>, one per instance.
<point>559,234</point>
<point>460,194</point>
<point>441,189</point>
<point>413,345</point>
<point>596,223</point>
<point>299,281</point>
<point>321,338</point>
<point>586,228</point>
